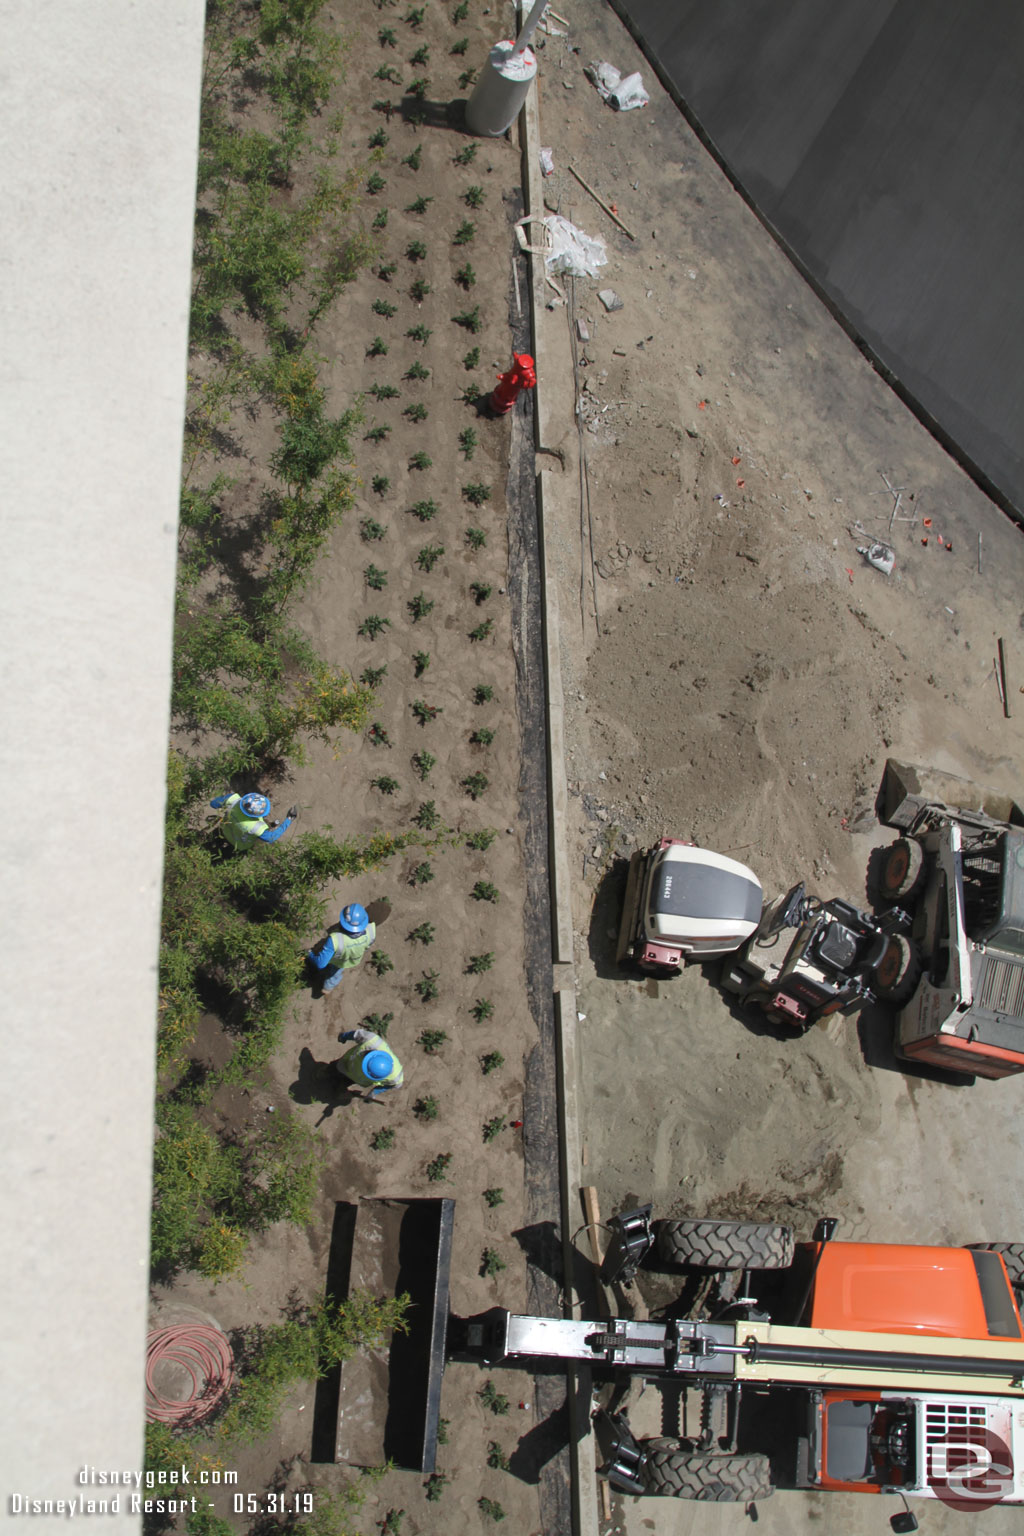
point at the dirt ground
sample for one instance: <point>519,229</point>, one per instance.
<point>736,673</point>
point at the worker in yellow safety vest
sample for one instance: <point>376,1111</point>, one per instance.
<point>370,1063</point>
<point>341,951</point>
<point>246,819</point>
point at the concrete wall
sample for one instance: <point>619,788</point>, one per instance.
<point>883,141</point>
<point>99,112</point>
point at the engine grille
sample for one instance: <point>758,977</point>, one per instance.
<point>942,1419</point>
<point>1002,987</point>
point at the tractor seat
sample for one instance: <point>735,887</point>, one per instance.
<point>837,946</point>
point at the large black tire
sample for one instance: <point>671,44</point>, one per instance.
<point>673,1471</point>
<point>898,973</point>
<point>1013,1258</point>
<point>895,873</point>
<point>725,1244</point>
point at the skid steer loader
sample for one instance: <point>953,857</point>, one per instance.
<point>957,869</point>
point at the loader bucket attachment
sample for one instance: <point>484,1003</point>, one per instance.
<point>389,1398</point>
<point>907,789</point>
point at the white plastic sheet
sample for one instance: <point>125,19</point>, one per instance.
<point>566,249</point>
<point>622,92</point>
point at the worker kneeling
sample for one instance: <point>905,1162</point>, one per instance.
<point>370,1063</point>
<point>341,951</point>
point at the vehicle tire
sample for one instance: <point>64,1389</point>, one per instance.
<point>673,1471</point>
<point>725,1244</point>
<point>1012,1256</point>
<point>898,972</point>
<point>895,873</point>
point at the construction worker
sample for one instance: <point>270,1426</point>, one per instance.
<point>246,819</point>
<point>341,951</point>
<point>370,1063</point>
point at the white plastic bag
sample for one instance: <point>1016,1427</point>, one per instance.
<point>620,92</point>
<point>566,248</point>
<point>572,251</point>
<point>879,555</point>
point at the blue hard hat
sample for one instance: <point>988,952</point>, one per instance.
<point>354,918</point>
<point>255,804</point>
<point>377,1064</point>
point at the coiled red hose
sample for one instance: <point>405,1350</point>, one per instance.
<point>204,1354</point>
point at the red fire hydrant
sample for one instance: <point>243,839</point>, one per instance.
<point>522,375</point>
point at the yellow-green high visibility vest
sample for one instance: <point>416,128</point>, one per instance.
<point>240,829</point>
<point>349,948</point>
<point>351,1064</point>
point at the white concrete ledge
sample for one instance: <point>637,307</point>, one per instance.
<point>100,115</point>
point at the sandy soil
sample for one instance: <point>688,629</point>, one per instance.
<point>335,789</point>
<point>735,673</point>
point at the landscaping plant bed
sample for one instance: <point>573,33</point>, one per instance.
<point>409,600</point>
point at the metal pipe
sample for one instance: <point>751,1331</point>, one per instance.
<point>879,1360</point>
<point>529,27</point>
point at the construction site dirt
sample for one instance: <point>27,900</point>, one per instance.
<point>736,672</point>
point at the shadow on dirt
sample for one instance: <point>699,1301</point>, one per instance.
<point>754,1020</point>
<point>537,1447</point>
<point>419,113</point>
<point>605,917</point>
<point>541,1244</point>
<point>319,1082</point>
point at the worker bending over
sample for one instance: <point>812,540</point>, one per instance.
<point>370,1063</point>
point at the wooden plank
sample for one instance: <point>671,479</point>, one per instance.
<point>592,1215</point>
<point>605,1495</point>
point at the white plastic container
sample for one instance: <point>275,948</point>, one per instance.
<point>500,91</point>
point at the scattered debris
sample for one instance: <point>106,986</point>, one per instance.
<point>568,248</point>
<point>879,555</point>
<point>623,92</point>
<point>610,209</point>
<point>1001,678</point>
<point>547,162</point>
<point>582,330</point>
<point>609,298</point>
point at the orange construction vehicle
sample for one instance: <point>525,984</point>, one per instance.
<point>840,1367</point>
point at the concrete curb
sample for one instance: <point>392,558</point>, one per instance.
<point>554,381</point>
